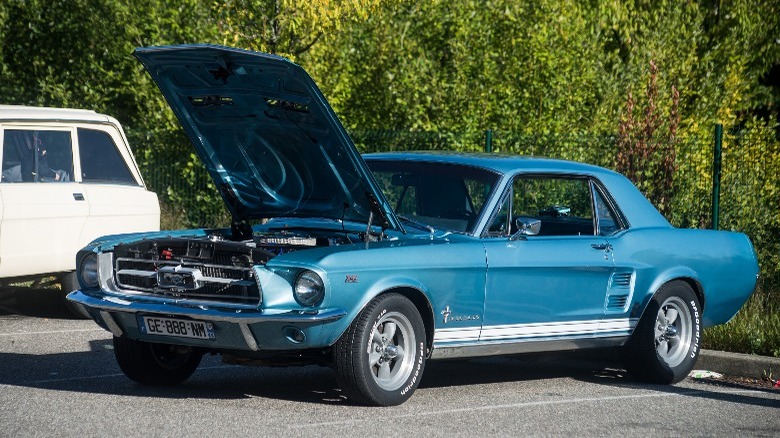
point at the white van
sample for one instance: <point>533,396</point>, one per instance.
<point>68,177</point>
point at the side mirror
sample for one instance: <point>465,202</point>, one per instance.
<point>526,226</point>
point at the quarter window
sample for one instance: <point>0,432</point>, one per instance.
<point>607,221</point>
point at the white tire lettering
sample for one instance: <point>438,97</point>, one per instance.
<point>697,331</point>
<point>416,371</point>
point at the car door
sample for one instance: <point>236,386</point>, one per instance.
<point>118,201</point>
<point>552,285</point>
<point>43,209</point>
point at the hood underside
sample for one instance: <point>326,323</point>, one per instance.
<point>266,134</point>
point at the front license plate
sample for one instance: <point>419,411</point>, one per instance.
<point>183,328</point>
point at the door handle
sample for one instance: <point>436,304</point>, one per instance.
<point>78,196</point>
<point>601,246</point>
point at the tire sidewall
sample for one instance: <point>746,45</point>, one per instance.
<point>643,345</point>
<point>682,370</point>
<point>389,304</point>
<point>139,361</point>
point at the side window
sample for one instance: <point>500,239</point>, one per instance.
<point>101,160</point>
<point>562,204</point>
<point>608,224</point>
<point>37,156</point>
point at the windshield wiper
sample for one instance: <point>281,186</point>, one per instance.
<point>417,224</point>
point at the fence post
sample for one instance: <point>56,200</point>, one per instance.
<point>716,170</point>
<point>489,140</point>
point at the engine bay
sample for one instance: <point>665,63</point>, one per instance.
<point>209,268</point>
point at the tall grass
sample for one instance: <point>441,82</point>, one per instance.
<point>755,329</point>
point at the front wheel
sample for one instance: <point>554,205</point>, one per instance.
<point>380,359</point>
<point>154,364</point>
<point>666,342</point>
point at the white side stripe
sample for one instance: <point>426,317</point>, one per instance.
<point>534,330</point>
<point>456,334</point>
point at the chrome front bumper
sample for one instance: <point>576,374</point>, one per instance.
<point>112,311</point>
<point>116,304</point>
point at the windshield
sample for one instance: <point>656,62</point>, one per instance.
<point>442,195</point>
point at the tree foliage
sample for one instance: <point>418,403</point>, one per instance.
<point>646,154</point>
<point>547,68</point>
<point>548,65</point>
<point>286,27</point>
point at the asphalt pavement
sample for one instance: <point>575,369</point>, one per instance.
<point>58,377</point>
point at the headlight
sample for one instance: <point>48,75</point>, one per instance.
<point>88,271</point>
<point>309,288</point>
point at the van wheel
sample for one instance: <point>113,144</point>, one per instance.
<point>154,364</point>
<point>380,359</point>
<point>665,344</point>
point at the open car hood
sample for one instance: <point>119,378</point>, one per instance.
<point>266,134</point>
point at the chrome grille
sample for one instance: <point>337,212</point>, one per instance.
<point>202,271</point>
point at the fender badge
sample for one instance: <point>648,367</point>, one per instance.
<point>446,313</point>
<point>351,278</point>
<point>448,317</point>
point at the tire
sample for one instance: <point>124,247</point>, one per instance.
<point>665,344</point>
<point>155,364</point>
<point>380,359</point>
<point>69,283</point>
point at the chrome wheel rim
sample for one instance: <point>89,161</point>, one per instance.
<point>673,331</point>
<point>391,351</point>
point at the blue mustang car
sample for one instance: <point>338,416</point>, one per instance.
<point>374,265</point>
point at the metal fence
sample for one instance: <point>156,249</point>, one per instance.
<point>678,178</point>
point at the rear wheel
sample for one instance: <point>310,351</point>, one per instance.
<point>380,359</point>
<point>666,342</point>
<point>155,364</point>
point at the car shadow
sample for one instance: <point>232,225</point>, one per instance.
<point>96,370</point>
<point>35,302</point>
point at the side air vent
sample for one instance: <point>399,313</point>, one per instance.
<point>621,286</point>
<point>621,279</point>
<point>617,302</point>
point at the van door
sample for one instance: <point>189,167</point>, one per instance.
<point>118,200</point>
<point>43,208</point>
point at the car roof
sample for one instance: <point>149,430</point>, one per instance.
<point>35,113</point>
<point>493,161</point>
<point>635,207</point>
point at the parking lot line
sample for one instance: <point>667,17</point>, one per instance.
<point>51,332</point>
<point>521,405</point>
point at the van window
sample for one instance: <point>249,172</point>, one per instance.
<point>101,160</point>
<point>37,156</point>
